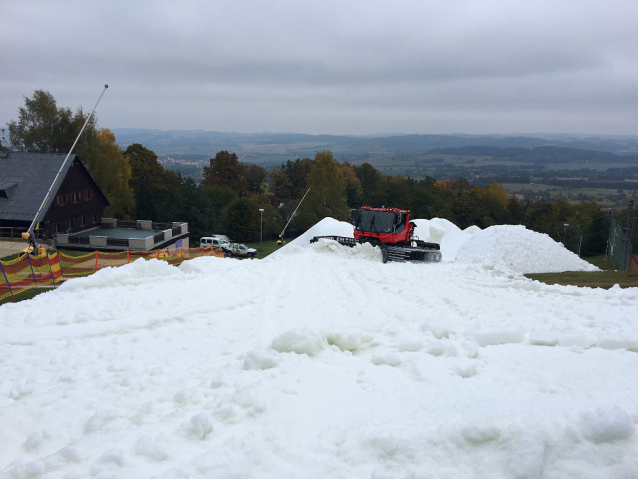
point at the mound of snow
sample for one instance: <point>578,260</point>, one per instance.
<point>443,232</point>
<point>520,250</point>
<point>472,230</point>
<point>325,227</point>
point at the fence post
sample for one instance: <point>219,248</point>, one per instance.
<point>32,273</point>
<point>96,261</point>
<point>7,280</point>
<point>128,260</point>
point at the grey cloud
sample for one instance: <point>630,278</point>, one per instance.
<point>327,65</point>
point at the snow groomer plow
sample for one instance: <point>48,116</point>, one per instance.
<point>392,231</point>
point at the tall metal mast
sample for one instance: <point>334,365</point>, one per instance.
<point>31,235</point>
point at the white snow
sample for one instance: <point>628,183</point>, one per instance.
<point>321,361</point>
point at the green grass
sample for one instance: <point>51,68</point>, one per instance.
<point>24,295</point>
<point>270,246</point>
<point>603,279</point>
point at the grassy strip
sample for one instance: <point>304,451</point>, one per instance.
<point>595,279</point>
<point>23,295</point>
<point>270,246</point>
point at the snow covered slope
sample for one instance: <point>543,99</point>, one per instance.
<point>319,362</point>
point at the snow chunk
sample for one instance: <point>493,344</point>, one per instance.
<point>409,345</point>
<point>198,427</point>
<point>149,449</point>
<point>521,250</point>
<point>544,338</point>
<point>582,340</point>
<point>260,359</point>
<point>348,341</point>
<point>436,348</point>
<point>613,342</point>
<point>112,456</point>
<point>388,359</point>
<point>605,424</point>
<point>466,368</point>
<point>299,342</point>
<point>488,337</point>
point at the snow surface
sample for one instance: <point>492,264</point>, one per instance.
<point>320,361</point>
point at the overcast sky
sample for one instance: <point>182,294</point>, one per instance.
<point>337,67</point>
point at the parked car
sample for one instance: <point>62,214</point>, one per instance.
<point>215,242</point>
<point>238,249</point>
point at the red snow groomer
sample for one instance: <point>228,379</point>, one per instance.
<point>391,230</point>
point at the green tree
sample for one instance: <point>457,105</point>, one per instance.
<point>43,127</point>
<point>297,171</point>
<point>354,192</point>
<point>226,170</point>
<point>279,183</point>
<point>189,203</point>
<point>151,183</point>
<point>110,168</point>
<point>254,175</point>
<point>370,180</point>
<point>242,220</point>
<point>327,195</point>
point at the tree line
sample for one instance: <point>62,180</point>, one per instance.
<point>229,198</point>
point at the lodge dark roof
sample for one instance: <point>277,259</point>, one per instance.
<point>25,179</point>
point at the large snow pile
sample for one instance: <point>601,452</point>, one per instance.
<point>443,232</point>
<point>512,247</point>
<point>521,250</point>
<point>319,362</point>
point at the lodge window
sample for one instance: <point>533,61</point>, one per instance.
<point>70,224</point>
<point>59,200</point>
<point>58,227</point>
<point>75,197</point>
<point>94,217</point>
<point>82,220</point>
<point>87,195</point>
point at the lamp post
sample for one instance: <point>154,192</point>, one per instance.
<point>261,230</point>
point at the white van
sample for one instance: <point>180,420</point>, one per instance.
<point>215,242</point>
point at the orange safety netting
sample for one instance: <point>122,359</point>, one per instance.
<point>22,274</point>
<point>29,271</point>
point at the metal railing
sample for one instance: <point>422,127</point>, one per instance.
<point>16,233</point>
<point>158,238</point>
<point>117,242</point>
<point>79,240</point>
<point>126,224</point>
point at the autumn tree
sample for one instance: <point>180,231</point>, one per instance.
<point>254,175</point>
<point>226,170</point>
<point>279,183</point>
<point>327,195</point>
<point>354,192</point>
<point>110,168</point>
<point>44,127</point>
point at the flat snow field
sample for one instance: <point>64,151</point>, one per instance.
<point>321,362</point>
